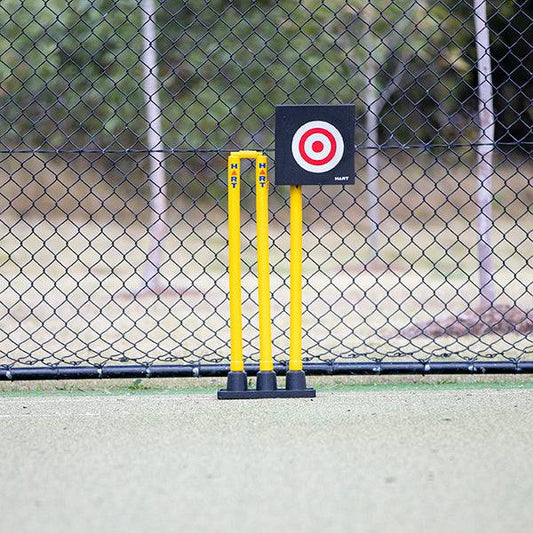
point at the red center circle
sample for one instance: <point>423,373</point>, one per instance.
<point>317,146</point>
<point>331,139</point>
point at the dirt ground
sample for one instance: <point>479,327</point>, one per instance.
<point>404,457</point>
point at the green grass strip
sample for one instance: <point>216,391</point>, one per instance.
<point>140,388</point>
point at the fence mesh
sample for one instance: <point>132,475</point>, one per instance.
<point>116,119</point>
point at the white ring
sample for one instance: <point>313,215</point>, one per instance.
<point>317,169</point>
<point>308,146</point>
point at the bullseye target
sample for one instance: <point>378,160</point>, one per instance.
<point>317,146</point>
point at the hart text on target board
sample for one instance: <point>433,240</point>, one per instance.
<point>315,144</point>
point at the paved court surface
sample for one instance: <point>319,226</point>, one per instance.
<point>390,459</point>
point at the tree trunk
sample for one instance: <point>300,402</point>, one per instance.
<point>158,228</point>
<point>371,98</point>
<point>373,162</point>
<point>484,151</point>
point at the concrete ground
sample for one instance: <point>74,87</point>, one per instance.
<point>387,458</point>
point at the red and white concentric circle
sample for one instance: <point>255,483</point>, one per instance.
<point>317,146</point>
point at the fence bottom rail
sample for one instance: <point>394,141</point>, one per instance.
<point>221,370</point>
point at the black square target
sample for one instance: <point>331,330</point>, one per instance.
<point>315,145</point>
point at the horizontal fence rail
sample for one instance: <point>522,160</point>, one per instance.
<point>311,369</point>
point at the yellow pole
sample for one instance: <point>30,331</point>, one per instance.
<point>263,268</point>
<point>234,231</point>
<point>295,352</point>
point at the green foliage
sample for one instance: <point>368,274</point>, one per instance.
<point>71,72</point>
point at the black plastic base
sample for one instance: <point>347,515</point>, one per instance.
<point>237,388</point>
<point>237,381</point>
<point>296,380</point>
<point>266,381</point>
<point>251,394</point>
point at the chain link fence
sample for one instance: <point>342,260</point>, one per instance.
<point>116,119</point>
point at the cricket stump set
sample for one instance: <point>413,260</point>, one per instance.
<point>309,150</point>
<point>237,387</point>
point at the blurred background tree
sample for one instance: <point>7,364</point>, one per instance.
<point>71,71</point>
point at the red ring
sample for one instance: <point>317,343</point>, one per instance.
<point>326,159</point>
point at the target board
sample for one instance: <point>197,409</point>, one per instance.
<point>315,145</point>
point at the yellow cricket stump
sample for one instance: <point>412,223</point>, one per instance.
<point>266,363</point>
<point>266,378</point>
<point>234,224</point>
<point>295,353</point>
